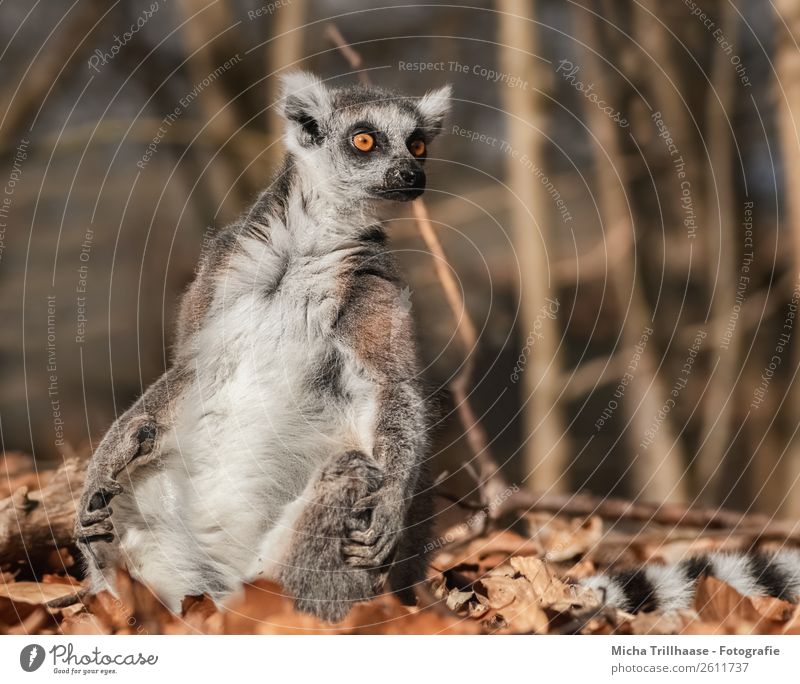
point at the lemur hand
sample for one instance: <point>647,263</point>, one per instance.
<point>374,530</point>
<point>94,511</point>
<point>93,523</point>
<point>371,522</point>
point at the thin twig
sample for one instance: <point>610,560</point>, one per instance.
<point>670,514</point>
<point>353,58</point>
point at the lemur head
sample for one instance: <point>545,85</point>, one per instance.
<point>361,144</point>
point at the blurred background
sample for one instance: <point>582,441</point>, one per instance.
<point>615,192</point>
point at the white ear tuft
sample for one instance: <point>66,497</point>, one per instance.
<point>434,107</point>
<point>306,102</point>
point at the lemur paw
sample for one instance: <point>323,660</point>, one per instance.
<point>97,496</point>
<point>93,522</point>
<point>373,533</point>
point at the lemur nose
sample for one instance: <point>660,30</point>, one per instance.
<point>410,177</point>
<point>404,181</point>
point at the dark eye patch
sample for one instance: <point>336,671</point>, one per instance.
<point>418,134</point>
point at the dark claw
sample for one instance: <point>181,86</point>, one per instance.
<point>93,538</point>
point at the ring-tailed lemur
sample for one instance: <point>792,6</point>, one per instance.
<point>664,588</point>
<point>287,440</point>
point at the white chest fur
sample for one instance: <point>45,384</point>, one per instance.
<point>273,396</point>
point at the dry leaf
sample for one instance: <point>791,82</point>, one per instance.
<point>84,623</point>
<point>562,540</point>
<point>673,622</point>
<point>61,579</point>
<point>718,602</point>
<point>488,552</point>
<point>500,591</point>
<point>35,593</point>
<point>456,599</point>
<point>581,569</point>
<point>34,623</point>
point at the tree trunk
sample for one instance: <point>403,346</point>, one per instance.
<point>545,445</point>
<point>657,468</point>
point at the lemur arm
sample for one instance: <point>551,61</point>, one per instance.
<point>131,442</point>
<point>398,450</point>
<point>378,327</point>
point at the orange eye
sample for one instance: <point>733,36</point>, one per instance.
<point>417,148</point>
<point>364,142</point>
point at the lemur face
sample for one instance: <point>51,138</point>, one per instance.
<point>363,144</point>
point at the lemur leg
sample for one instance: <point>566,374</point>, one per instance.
<point>313,571</point>
<point>411,560</point>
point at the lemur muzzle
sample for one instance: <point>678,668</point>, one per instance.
<point>405,181</point>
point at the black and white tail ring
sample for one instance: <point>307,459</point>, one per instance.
<point>665,588</point>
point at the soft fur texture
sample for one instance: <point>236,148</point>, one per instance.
<point>672,587</point>
<point>288,439</point>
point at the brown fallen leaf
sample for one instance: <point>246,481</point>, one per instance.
<point>673,622</point>
<point>135,609</point>
<point>581,569</point>
<point>143,610</point>
<point>456,599</point>
<point>718,602</point>
<point>792,625</point>
<point>22,605</point>
<point>108,611</point>
<point>34,623</point>
<point>500,592</point>
<point>526,596</point>
<point>548,588</point>
<point>200,614</point>
<point>264,608</point>
<point>386,615</point>
<point>61,579</point>
<point>84,623</point>
<point>561,539</point>
<point>488,552</point>
<point>35,593</point>
<point>517,603</point>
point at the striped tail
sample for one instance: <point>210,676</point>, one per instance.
<point>672,587</point>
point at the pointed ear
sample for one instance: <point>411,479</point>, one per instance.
<point>433,108</point>
<point>306,102</point>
